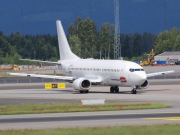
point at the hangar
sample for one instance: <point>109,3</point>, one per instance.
<point>168,57</point>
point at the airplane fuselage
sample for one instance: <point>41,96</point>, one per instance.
<point>112,72</point>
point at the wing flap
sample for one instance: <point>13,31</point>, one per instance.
<point>160,73</point>
<point>69,78</point>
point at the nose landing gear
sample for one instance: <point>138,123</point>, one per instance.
<point>133,91</point>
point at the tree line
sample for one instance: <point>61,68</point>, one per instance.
<point>87,41</point>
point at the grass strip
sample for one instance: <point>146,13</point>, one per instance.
<point>75,107</point>
<point>165,129</point>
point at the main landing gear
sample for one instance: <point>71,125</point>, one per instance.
<point>114,89</point>
<point>84,91</point>
<point>133,90</point>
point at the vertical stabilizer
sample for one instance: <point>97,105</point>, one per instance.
<point>64,49</point>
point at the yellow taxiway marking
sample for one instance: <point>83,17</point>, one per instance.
<point>164,118</point>
<point>51,86</point>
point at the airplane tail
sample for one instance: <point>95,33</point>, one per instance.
<point>64,48</point>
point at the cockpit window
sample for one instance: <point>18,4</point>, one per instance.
<point>131,70</point>
<point>138,69</point>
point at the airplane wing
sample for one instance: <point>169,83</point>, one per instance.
<point>94,79</point>
<point>160,73</point>
<point>68,78</point>
<point>41,61</point>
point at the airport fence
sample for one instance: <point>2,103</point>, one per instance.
<point>27,80</point>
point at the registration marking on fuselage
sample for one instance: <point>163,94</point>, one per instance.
<point>164,118</point>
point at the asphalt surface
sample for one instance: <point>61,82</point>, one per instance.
<point>84,118</point>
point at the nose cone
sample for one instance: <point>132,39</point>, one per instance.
<point>141,77</point>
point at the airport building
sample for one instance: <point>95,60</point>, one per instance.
<point>168,57</point>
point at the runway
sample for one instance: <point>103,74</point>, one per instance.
<point>159,91</point>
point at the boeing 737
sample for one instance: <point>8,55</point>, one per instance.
<point>83,73</point>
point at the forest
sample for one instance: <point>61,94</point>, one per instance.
<point>87,41</point>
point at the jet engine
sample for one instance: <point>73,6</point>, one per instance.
<point>144,85</point>
<point>81,84</point>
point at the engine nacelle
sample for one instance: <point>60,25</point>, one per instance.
<point>81,84</point>
<point>144,85</point>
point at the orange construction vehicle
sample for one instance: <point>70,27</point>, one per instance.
<point>149,61</point>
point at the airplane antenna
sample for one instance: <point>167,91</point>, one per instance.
<point>117,44</point>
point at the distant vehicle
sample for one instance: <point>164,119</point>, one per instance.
<point>10,67</point>
<point>15,67</point>
<point>150,59</point>
<point>83,73</point>
<point>177,63</point>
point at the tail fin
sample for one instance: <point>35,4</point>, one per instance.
<point>64,49</point>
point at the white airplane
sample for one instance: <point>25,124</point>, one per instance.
<point>83,73</point>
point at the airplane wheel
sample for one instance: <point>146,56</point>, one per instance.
<point>134,91</point>
<point>112,89</point>
<point>81,91</point>
<point>116,89</point>
<point>84,91</point>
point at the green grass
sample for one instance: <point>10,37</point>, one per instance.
<point>168,129</point>
<point>57,108</point>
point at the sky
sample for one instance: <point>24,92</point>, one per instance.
<point>39,16</point>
